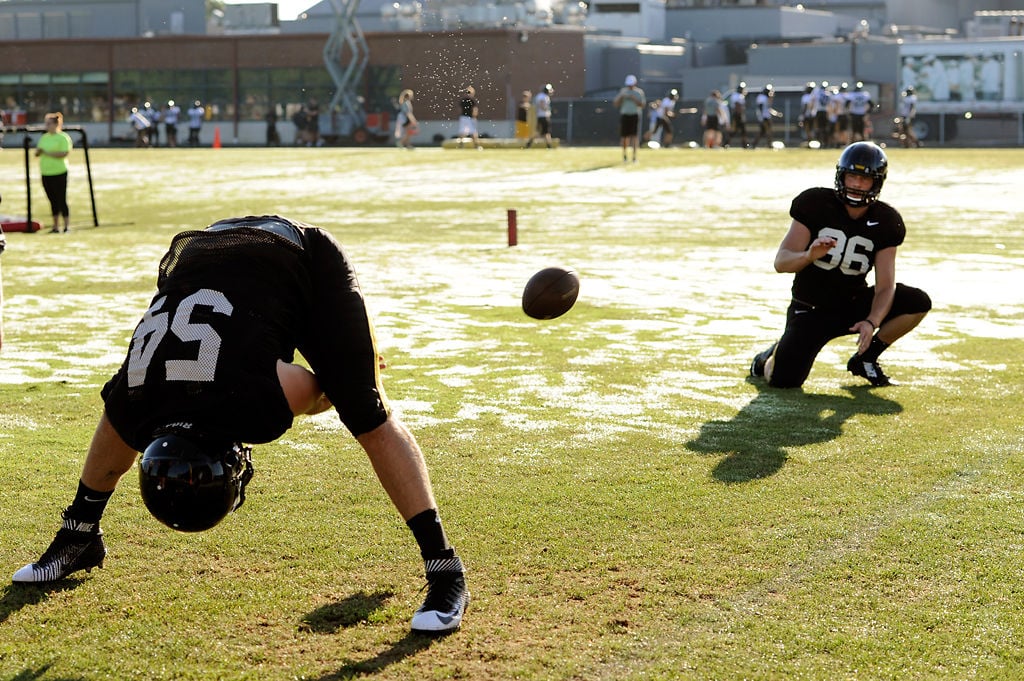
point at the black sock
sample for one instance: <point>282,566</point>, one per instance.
<point>426,528</point>
<point>89,504</point>
<point>874,350</point>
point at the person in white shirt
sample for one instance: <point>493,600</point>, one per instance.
<point>666,111</point>
<point>764,111</point>
<point>908,110</point>
<point>860,107</point>
<point>195,122</point>
<point>171,115</point>
<point>542,107</point>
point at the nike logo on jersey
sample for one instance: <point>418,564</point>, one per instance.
<point>872,223</point>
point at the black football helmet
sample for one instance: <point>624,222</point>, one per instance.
<point>191,486</point>
<point>861,158</point>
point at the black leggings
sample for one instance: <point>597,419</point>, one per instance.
<point>809,328</point>
<point>56,187</point>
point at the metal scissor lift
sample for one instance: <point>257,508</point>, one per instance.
<point>345,104</point>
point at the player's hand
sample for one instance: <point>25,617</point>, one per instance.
<point>381,363</point>
<point>820,246</point>
<point>865,331</point>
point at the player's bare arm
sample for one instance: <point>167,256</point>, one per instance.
<point>885,292</point>
<point>798,250</point>
<point>302,389</point>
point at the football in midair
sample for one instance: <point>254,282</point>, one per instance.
<point>550,293</point>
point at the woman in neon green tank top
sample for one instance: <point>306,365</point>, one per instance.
<point>53,149</point>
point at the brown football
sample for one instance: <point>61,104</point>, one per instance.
<point>550,293</point>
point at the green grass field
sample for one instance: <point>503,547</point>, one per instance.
<point>629,505</point>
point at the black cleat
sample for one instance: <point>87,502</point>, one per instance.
<point>869,370</point>
<point>757,365</point>
<point>77,546</point>
<point>447,597</point>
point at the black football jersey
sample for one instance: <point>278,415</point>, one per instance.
<point>231,301</point>
<point>836,277</point>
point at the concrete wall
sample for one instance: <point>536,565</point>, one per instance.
<point>713,24</point>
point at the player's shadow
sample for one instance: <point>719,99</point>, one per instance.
<point>353,610</point>
<point>348,612</point>
<point>755,441</point>
<point>14,597</point>
<point>42,673</point>
<point>408,646</point>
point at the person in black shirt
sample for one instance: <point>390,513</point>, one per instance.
<point>837,236</point>
<point>469,110</point>
<point>211,366</point>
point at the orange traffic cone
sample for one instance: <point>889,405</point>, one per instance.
<point>216,138</point>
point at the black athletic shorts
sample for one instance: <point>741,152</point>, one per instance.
<point>629,125</point>
<point>809,328</point>
<point>543,125</point>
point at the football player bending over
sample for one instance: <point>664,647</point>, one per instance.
<point>837,236</point>
<point>210,367</point>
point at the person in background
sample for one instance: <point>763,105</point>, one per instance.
<point>153,116</point>
<point>542,107</point>
<point>908,112</point>
<point>273,137</point>
<point>53,149</point>
<point>469,112</point>
<point>171,115</point>
<point>141,125</point>
<point>3,245</point>
<point>738,114</point>
<point>523,130</point>
<point>666,111</point>
<point>764,112</point>
<point>406,125</point>
<point>195,122</point>
<point>631,103</point>
<point>710,120</point>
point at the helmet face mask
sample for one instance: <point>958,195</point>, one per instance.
<point>190,485</point>
<point>866,159</point>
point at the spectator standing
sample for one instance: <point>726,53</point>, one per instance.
<point>53,149</point>
<point>523,130</point>
<point>860,107</point>
<point>807,112</point>
<point>195,122</point>
<point>738,113</point>
<point>153,116</point>
<point>542,106</point>
<point>313,124</point>
<point>711,121</point>
<point>469,112</point>
<point>765,112</point>
<point>406,125</point>
<point>666,111</point>
<point>631,103</point>
<point>171,115</point>
<point>273,138</point>
<point>908,112</point>
<point>141,125</point>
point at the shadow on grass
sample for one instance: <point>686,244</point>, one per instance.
<point>410,644</point>
<point>34,674</point>
<point>755,440</point>
<point>14,597</point>
<point>327,619</point>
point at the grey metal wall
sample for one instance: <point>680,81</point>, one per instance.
<point>32,20</point>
